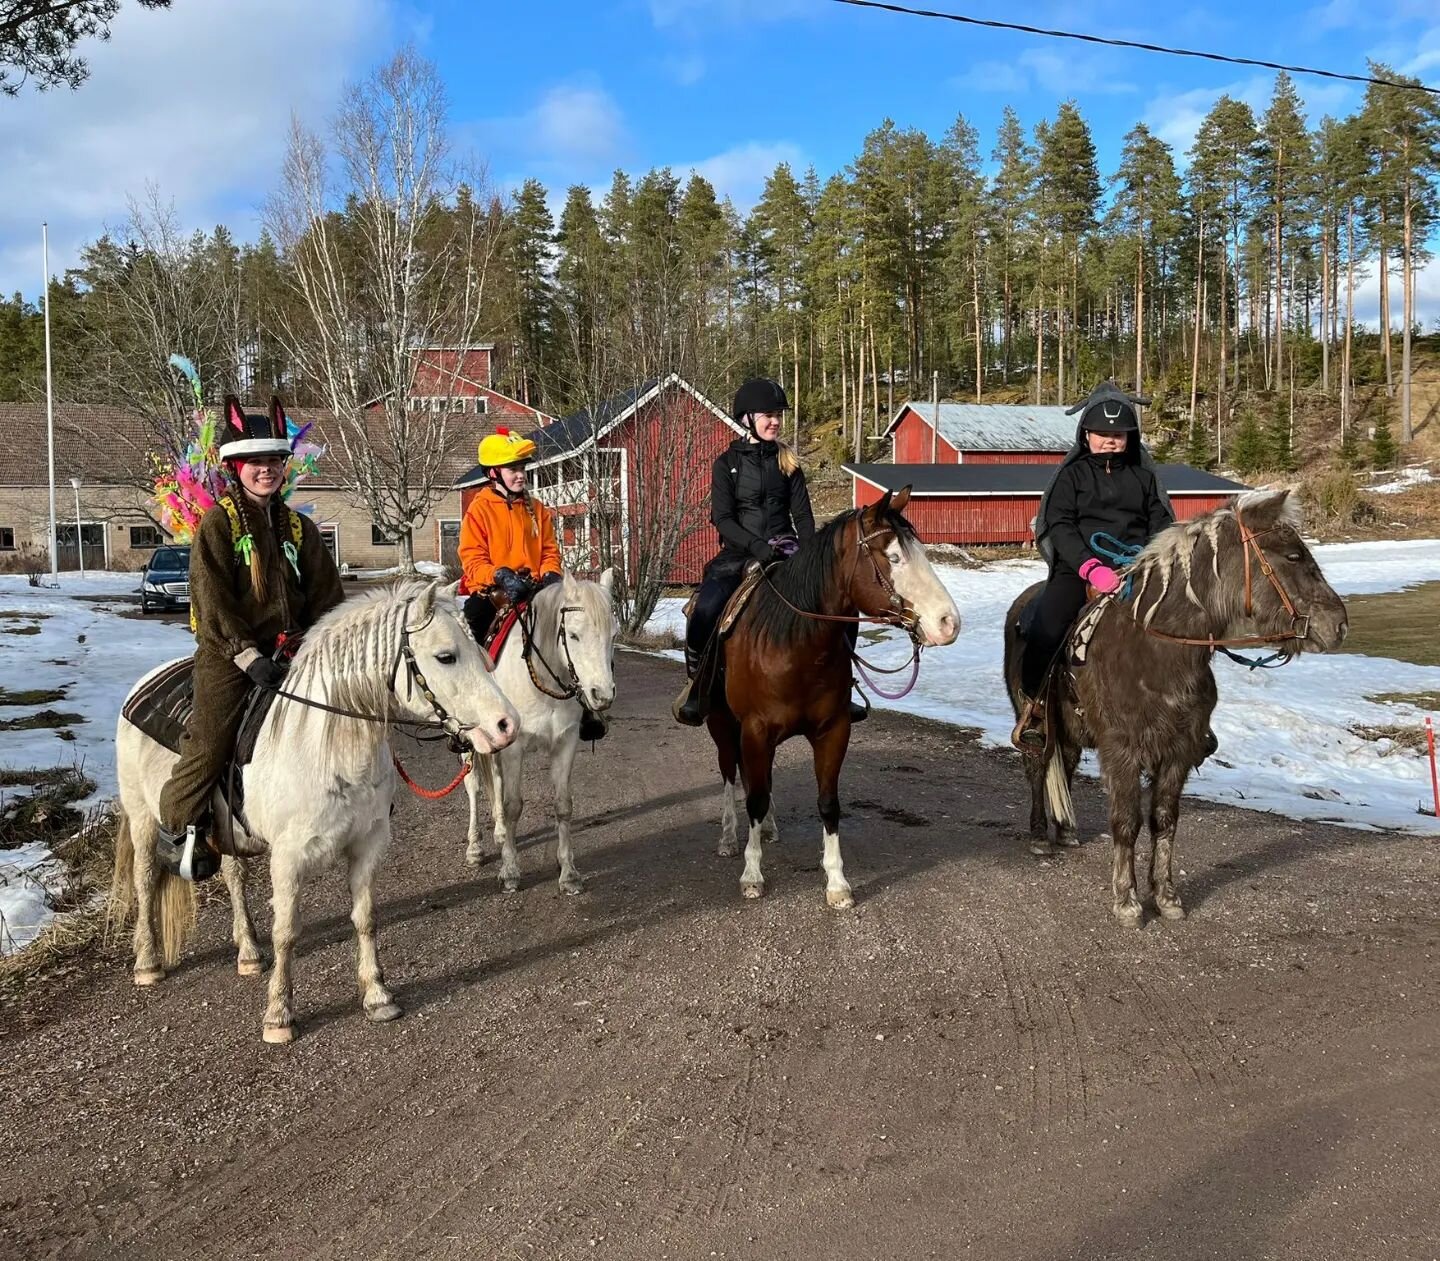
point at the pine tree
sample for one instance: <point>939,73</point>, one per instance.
<point>1146,210</point>
<point>1247,449</point>
<point>529,247</point>
<point>1382,441</point>
<point>1197,447</point>
<point>1009,206</point>
<point>1348,453</point>
<point>1071,182</point>
<point>1280,455</point>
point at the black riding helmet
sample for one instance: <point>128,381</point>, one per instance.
<point>1108,409</point>
<point>759,395</point>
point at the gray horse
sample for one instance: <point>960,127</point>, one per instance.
<point>1237,577</point>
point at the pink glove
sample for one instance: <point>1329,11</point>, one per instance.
<point>1100,576</point>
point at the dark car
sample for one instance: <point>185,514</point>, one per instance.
<point>166,582</point>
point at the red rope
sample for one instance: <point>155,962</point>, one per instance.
<point>431,794</point>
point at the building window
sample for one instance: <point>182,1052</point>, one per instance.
<point>381,537</point>
<point>416,403</point>
<point>330,536</point>
<point>7,538</point>
<point>481,405</point>
<point>143,536</point>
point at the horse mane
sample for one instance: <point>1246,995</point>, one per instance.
<point>804,579</point>
<point>347,657</point>
<point>1174,564</point>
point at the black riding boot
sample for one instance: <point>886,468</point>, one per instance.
<point>188,854</point>
<point>693,704</point>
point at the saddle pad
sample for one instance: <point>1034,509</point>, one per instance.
<point>161,707</point>
<point>1078,646</point>
<point>500,631</point>
<point>754,575</point>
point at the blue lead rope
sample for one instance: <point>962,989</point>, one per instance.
<point>1121,555</point>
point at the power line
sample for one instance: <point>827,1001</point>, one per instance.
<point>1132,43</point>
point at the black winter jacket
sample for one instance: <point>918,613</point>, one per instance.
<point>752,501</point>
<point>1119,494</point>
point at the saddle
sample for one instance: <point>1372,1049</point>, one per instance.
<point>735,605</point>
<point>500,629</point>
<point>161,708</point>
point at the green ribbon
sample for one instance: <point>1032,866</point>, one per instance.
<point>245,547</point>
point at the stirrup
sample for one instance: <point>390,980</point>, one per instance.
<point>1029,733</point>
<point>690,708</point>
<point>187,854</point>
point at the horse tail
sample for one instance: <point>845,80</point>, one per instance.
<point>122,879</point>
<point>176,899</point>
<point>1057,790</point>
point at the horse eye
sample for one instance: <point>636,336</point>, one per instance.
<point>574,637</point>
<point>1293,557</point>
<point>446,658</point>
<point>893,557</point>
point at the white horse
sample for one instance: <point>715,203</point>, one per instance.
<point>571,658</point>
<point>320,784</point>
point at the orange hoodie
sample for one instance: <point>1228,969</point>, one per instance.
<point>500,533</point>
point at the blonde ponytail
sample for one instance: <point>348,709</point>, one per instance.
<point>789,461</point>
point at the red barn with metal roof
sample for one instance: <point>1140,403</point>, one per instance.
<point>995,503</point>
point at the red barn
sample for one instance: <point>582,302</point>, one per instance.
<point>995,503</point>
<point>980,433</point>
<point>457,379</point>
<point>635,468</point>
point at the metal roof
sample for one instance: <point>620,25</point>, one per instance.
<point>1017,479</point>
<point>996,426</point>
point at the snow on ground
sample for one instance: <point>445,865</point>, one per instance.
<point>1406,479</point>
<point>94,657</point>
<point>1285,739</point>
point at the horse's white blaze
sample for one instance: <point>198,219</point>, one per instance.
<point>574,642</point>
<point>916,582</point>
<point>837,888</point>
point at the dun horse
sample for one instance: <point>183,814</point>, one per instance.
<point>1237,577</point>
<point>788,666</point>
<point>320,784</point>
<point>565,656</point>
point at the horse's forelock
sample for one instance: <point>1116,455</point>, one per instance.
<point>1168,567</point>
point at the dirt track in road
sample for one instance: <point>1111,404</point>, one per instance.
<point>975,1062</point>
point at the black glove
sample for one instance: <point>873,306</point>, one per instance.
<point>510,583</point>
<point>549,580</point>
<point>763,552</point>
<point>266,673</point>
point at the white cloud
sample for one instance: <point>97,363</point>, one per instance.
<point>692,14</point>
<point>1176,116</point>
<point>577,123</point>
<point>1427,297</point>
<point>1057,75</point>
<point>992,76</point>
<point>740,173</point>
<point>195,100</point>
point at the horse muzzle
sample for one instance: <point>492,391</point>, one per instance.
<point>945,630</point>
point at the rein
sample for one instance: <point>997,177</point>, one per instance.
<point>530,652</point>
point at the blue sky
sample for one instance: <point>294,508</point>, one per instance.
<point>196,101</point>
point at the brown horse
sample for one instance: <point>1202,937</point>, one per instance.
<point>1237,577</point>
<point>788,666</point>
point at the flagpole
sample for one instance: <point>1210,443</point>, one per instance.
<point>50,402</point>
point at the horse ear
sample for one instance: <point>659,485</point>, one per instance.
<point>450,591</point>
<point>234,414</point>
<point>425,603</point>
<point>902,497</point>
<point>1265,509</point>
<point>277,417</point>
<point>607,582</point>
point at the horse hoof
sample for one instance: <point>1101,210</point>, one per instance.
<point>250,967</point>
<point>278,1035</point>
<point>1170,910</point>
<point>149,976</point>
<point>572,888</point>
<point>728,849</point>
<point>1130,916</point>
<point>386,1011</point>
<point>1042,849</point>
<point>751,890</point>
<point>510,886</point>
<point>1068,840</point>
<point>839,901</point>
<point>770,838</point>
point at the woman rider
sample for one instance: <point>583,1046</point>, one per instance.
<point>760,505</point>
<point>256,569</point>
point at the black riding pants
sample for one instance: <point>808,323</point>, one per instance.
<point>1058,605</point>
<point>715,591</point>
<point>480,615</point>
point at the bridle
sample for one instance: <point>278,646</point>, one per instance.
<point>530,653</point>
<point>1299,623</point>
<point>901,612</point>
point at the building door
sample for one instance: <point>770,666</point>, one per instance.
<point>330,535</point>
<point>92,541</point>
<point>450,543</point>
